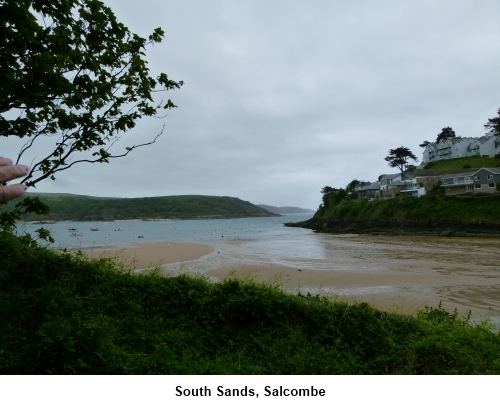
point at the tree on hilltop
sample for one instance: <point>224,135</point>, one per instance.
<point>446,133</point>
<point>493,125</point>
<point>399,158</point>
<point>351,189</point>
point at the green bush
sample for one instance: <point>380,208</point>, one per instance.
<point>64,314</point>
<point>466,166</point>
<point>432,206</point>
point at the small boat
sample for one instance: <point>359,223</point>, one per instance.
<point>119,229</point>
<point>72,229</point>
<point>76,234</point>
<point>94,229</point>
<point>141,236</point>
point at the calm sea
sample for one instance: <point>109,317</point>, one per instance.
<point>80,234</point>
<point>266,241</point>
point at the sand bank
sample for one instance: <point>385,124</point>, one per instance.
<point>393,274</point>
<point>142,255</point>
<point>392,291</point>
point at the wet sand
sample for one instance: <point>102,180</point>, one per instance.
<point>391,291</point>
<point>136,256</point>
<point>400,274</point>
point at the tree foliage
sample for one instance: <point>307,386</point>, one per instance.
<point>332,196</point>
<point>352,186</point>
<point>71,71</point>
<point>424,144</point>
<point>493,125</point>
<point>446,133</point>
<point>327,189</point>
<point>399,158</point>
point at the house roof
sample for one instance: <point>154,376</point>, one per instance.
<point>408,176</point>
<point>495,170</point>
<point>455,175</point>
<point>388,176</point>
<point>373,186</point>
<point>485,138</point>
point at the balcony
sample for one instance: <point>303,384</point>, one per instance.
<point>458,181</point>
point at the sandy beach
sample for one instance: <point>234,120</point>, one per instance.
<point>136,256</point>
<point>397,274</point>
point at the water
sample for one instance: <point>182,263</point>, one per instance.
<point>458,271</point>
<point>201,231</point>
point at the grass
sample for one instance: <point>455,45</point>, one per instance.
<point>458,163</point>
<point>65,314</point>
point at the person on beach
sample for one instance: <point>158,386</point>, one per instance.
<point>10,171</point>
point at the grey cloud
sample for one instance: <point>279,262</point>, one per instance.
<point>284,97</point>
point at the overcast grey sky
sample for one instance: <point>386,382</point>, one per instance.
<point>282,98</point>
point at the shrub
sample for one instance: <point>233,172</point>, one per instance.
<point>497,156</point>
<point>466,166</point>
<point>429,165</point>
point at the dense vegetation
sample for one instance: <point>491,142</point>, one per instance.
<point>65,314</point>
<point>456,215</point>
<point>84,208</point>
<point>463,208</point>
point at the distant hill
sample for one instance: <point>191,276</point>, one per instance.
<point>72,207</point>
<point>285,210</point>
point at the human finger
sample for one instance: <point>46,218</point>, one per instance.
<point>5,161</point>
<point>10,192</point>
<point>10,172</point>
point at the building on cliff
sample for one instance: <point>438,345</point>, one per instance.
<point>451,148</point>
<point>485,180</point>
<point>388,186</point>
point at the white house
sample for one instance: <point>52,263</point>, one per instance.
<point>488,145</point>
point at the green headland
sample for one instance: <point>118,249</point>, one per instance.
<point>70,207</point>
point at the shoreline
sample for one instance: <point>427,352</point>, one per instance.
<point>139,256</point>
<point>404,284</point>
<point>215,217</point>
<point>392,227</point>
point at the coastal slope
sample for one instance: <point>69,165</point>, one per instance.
<point>70,207</point>
<point>460,215</point>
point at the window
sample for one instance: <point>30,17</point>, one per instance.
<point>491,185</point>
<point>490,177</point>
<point>470,188</point>
<point>476,178</point>
<point>477,185</point>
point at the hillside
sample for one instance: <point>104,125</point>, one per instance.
<point>476,214</point>
<point>475,162</point>
<point>285,210</point>
<point>86,208</point>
